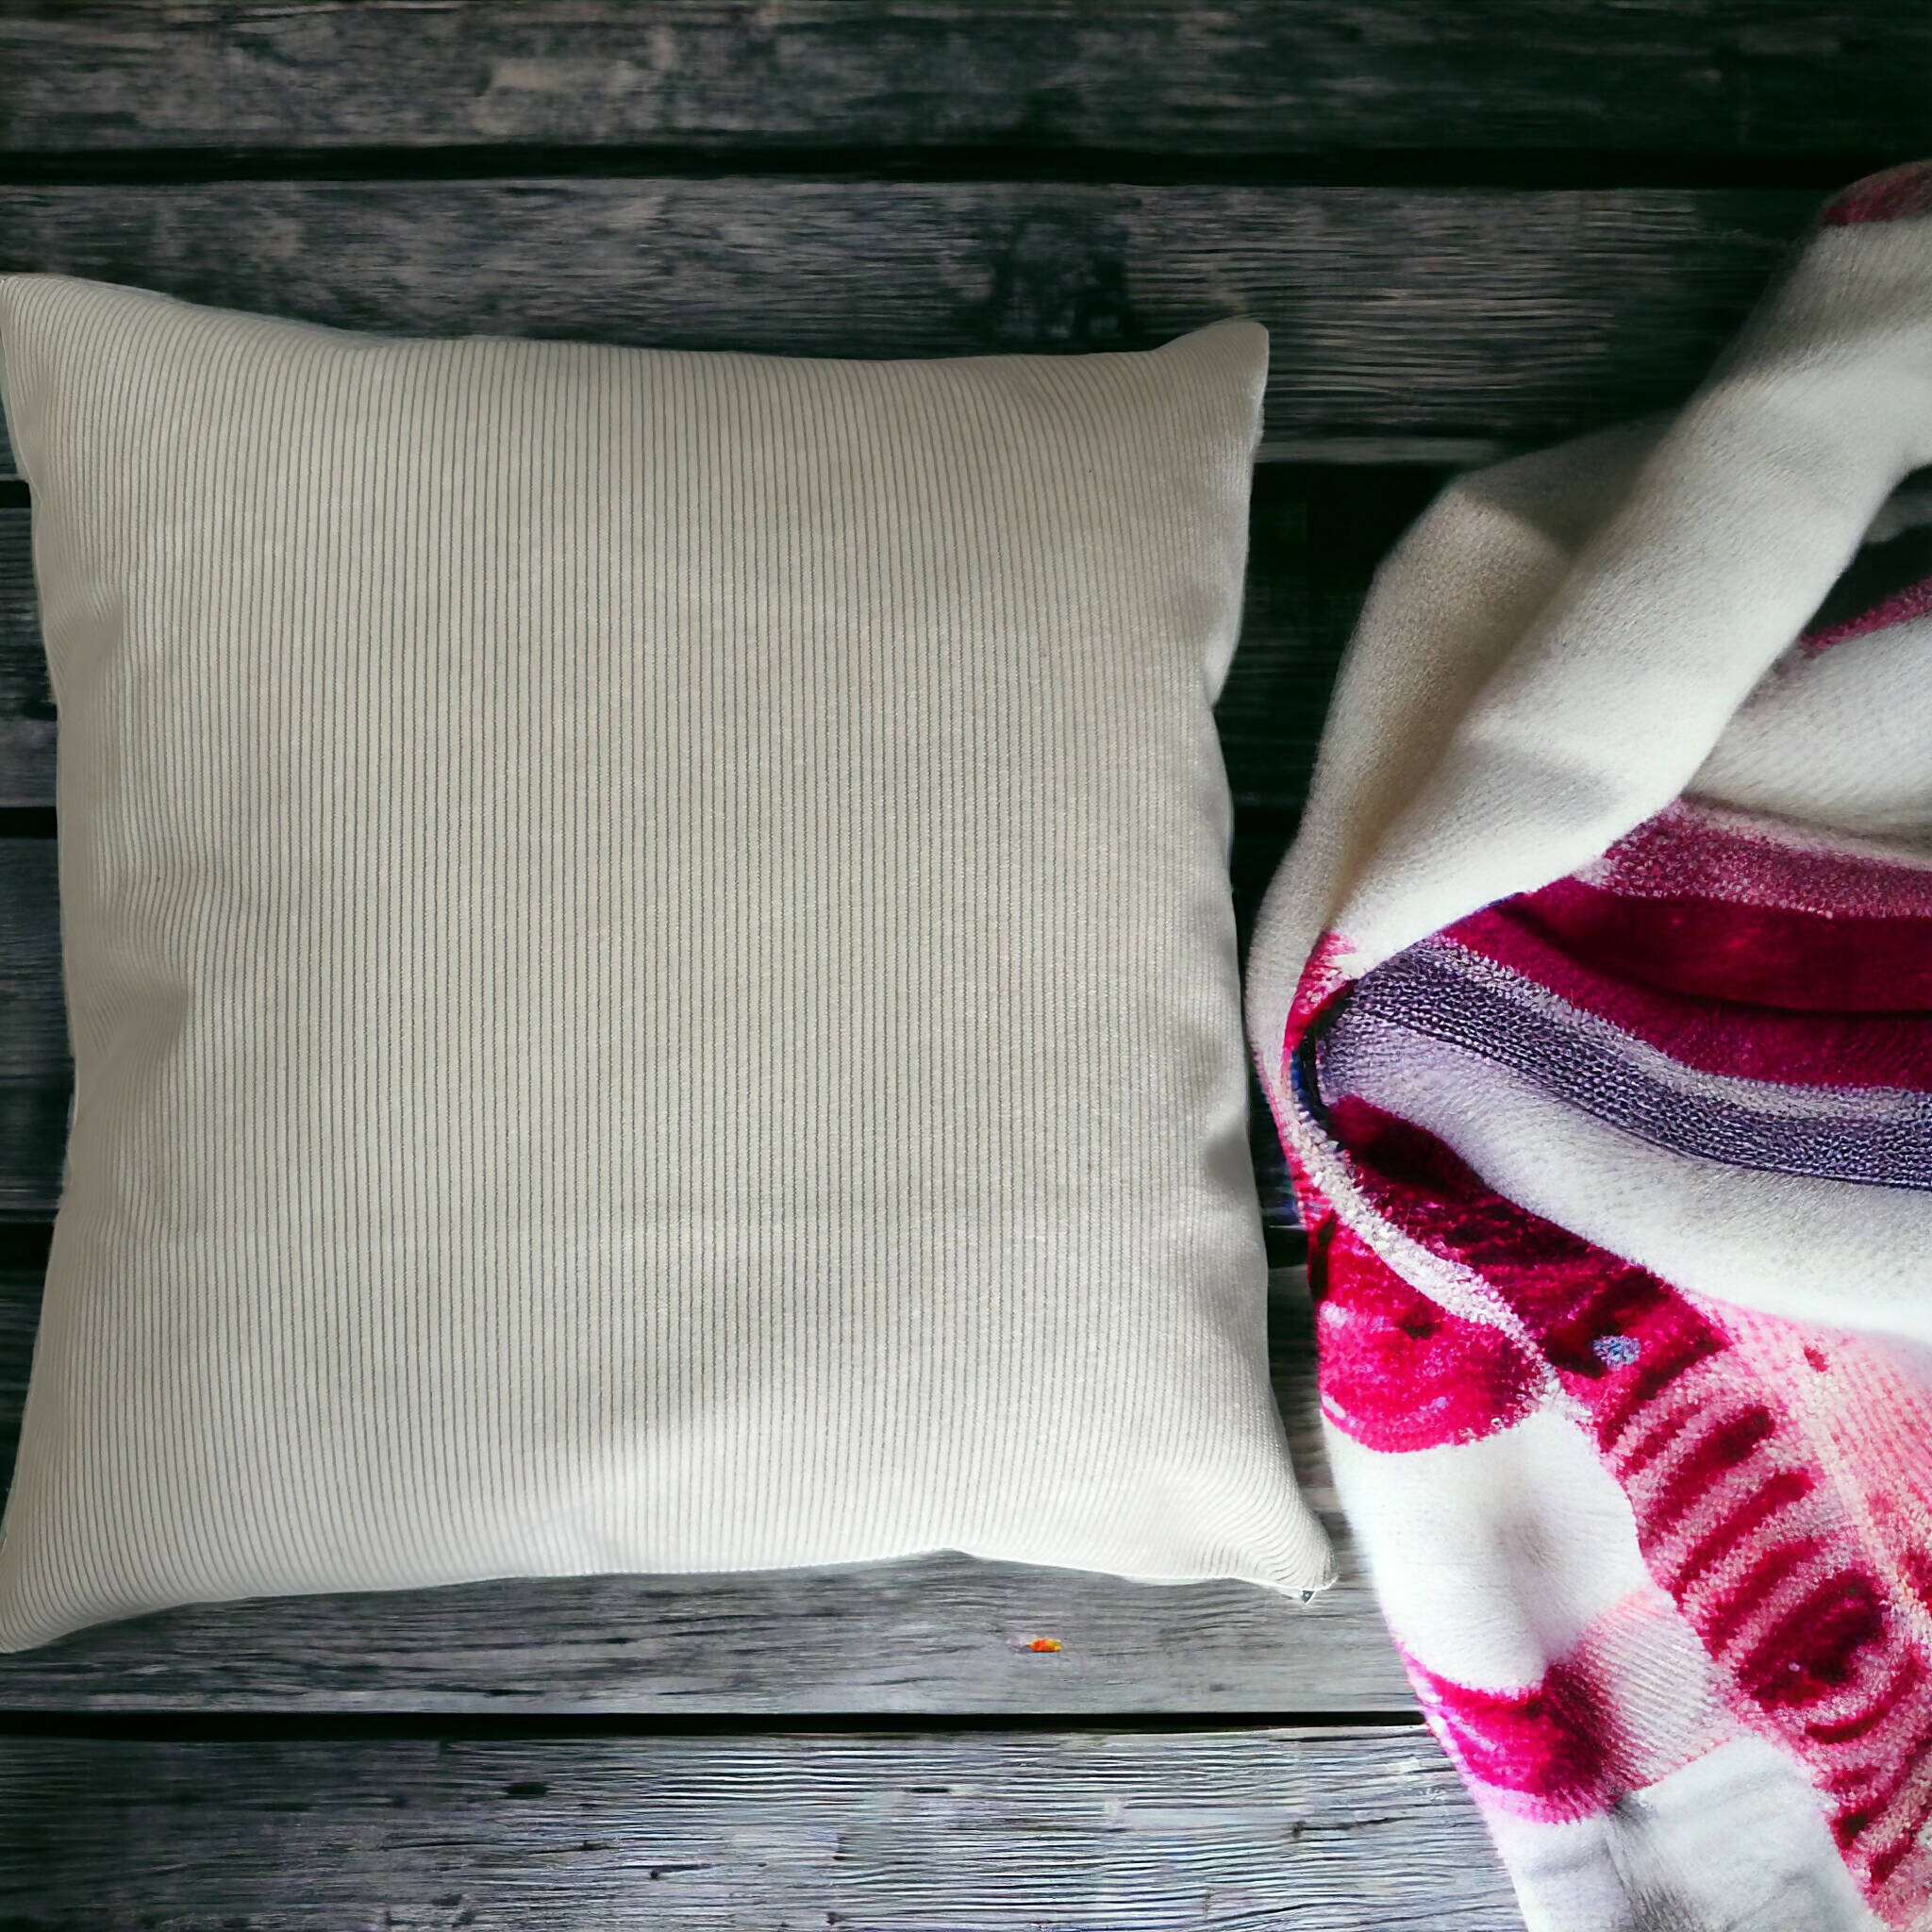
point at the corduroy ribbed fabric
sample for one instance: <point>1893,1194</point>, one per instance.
<point>650,963</point>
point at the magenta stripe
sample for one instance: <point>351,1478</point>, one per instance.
<point>1801,1049</point>
<point>1690,851</point>
<point>1890,196</point>
<point>1763,955</point>
<point>1914,600</point>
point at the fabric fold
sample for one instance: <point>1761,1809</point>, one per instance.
<point>1594,1005</point>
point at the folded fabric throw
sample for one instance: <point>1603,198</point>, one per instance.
<point>1594,1006</point>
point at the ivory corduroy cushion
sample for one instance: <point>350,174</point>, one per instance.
<point>650,963</point>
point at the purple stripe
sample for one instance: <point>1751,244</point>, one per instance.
<point>1423,992</point>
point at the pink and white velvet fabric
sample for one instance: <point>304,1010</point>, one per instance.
<point>1594,1009</point>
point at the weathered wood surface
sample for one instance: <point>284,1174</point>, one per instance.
<point>33,1137</point>
<point>1301,1830</point>
<point>33,1011</point>
<point>26,702</point>
<point>1511,315</point>
<point>35,1072</point>
<point>1680,77</point>
<point>941,1634</point>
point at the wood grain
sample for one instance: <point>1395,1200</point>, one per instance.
<point>939,1634</point>
<point>1688,77</point>
<point>35,1072</point>
<point>27,719</point>
<point>996,1832</point>
<point>870,178</point>
<point>33,1009</point>
<point>1513,316</point>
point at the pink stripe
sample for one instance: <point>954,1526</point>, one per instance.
<point>1690,851</point>
<point>1398,1371</point>
<point>1800,1611</point>
<point>1885,197</point>
<point>1764,956</point>
<point>1800,1049</point>
<point>1545,1744</point>
<point>1567,1746</point>
<point>1914,600</point>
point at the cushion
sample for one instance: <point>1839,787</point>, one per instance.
<point>650,963</point>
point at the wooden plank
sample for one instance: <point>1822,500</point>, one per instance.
<point>938,1634</point>
<point>1315,538</point>
<point>36,1070</point>
<point>33,1143</point>
<point>1703,77</point>
<point>27,722</point>
<point>1002,1832</point>
<point>1513,316</point>
<point>23,1262</point>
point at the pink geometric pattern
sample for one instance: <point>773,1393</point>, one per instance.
<point>1658,1563</point>
<point>1777,1479</point>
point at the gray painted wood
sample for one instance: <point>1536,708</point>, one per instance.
<point>1672,76</point>
<point>33,1139</point>
<point>1503,315</point>
<point>941,1634</point>
<point>1304,1831</point>
<point>36,1072</point>
<point>19,1307</point>
<point>26,701</point>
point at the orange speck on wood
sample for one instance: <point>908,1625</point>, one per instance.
<point>1044,1644</point>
